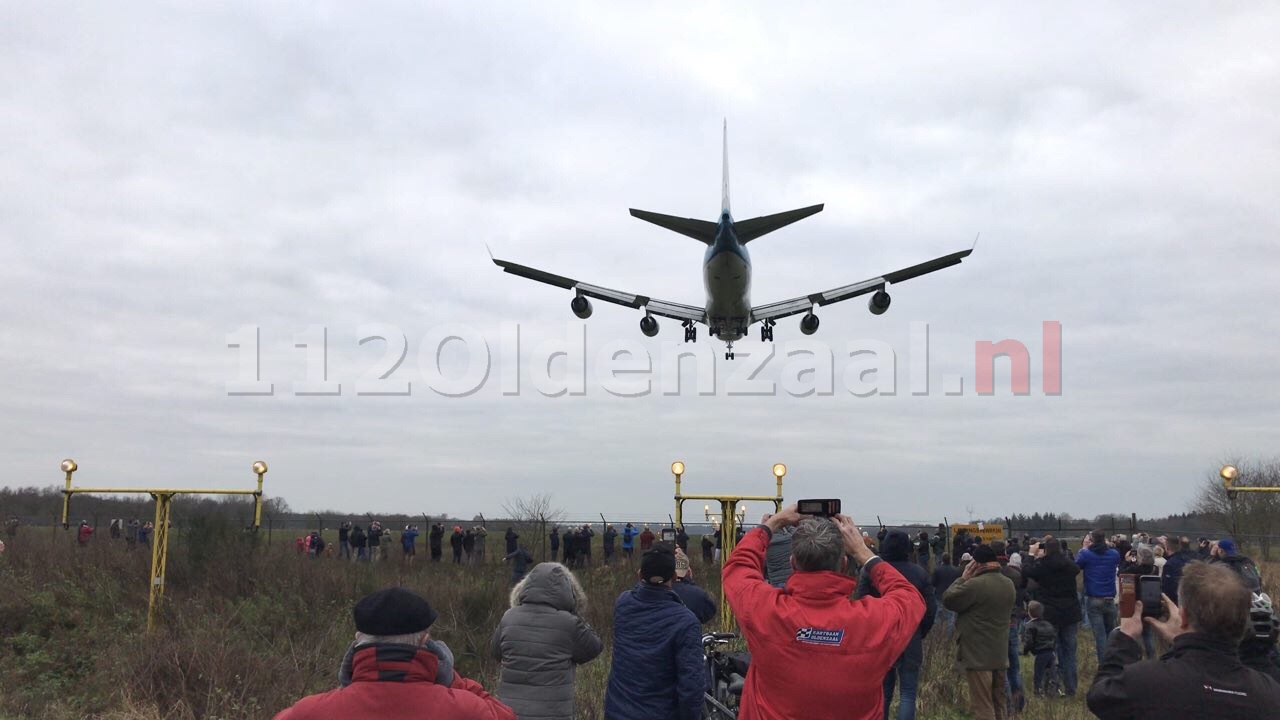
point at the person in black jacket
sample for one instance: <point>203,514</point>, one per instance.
<point>1173,566</point>
<point>512,536</point>
<point>610,535</point>
<point>359,543</point>
<point>436,538</point>
<point>1202,676</point>
<point>943,575</point>
<point>555,541</point>
<point>455,544</point>
<point>469,546</point>
<point>1054,575</point>
<point>693,597</point>
<point>896,549</point>
<point>344,540</point>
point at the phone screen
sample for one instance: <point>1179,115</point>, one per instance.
<point>1149,593</point>
<point>1128,595</point>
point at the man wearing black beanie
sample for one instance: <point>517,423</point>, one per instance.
<point>395,670</point>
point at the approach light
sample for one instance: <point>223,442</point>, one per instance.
<point>1228,473</point>
<point>677,468</point>
<point>69,466</point>
<point>259,468</point>
<point>779,470</point>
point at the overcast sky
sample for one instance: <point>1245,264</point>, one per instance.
<point>170,175</point>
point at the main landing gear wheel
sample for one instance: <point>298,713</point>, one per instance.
<point>766,331</point>
<point>690,331</point>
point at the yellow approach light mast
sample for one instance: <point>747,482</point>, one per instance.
<point>164,501</point>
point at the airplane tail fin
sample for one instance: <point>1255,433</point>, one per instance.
<point>724,189</point>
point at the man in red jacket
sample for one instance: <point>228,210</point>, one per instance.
<point>814,651</point>
<point>395,671</point>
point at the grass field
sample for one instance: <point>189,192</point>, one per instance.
<point>248,630</point>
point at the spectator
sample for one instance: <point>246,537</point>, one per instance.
<point>682,539</point>
<point>344,540</point>
<point>315,548</point>
<point>131,534</point>
<point>584,544</point>
<point>983,599</point>
<point>395,670</point>
<point>646,539</point>
<point>144,534</point>
<point>436,538</point>
<point>520,561</point>
<point>469,546</point>
<point>1202,676</point>
<point>657,671</point>
<point>1013,674</point>
<point>693,597</point>
<point>1039,640</point>
<point>408,538</point>
<point>11,527</point>
<point>555,542</point>
<point>1258,648</point>
<point>905,672</point>
<point>480,533</point>
<point>375,541</point>
<point>943,575</point>
<point>708,549</point>
<point>921,548</point>
<point>778,556</point>
<point>455,544</point>
<point>938,543</point>
<point>540,642</point>
<point>1139,562</point>
<point>1224,552</point>
<point>629,534</point>
<point>813,648</point>
<point>1049,567</point>
<point>571,548</point>
<point>1205,547</point>
<point>1160,561</point>
<point>609,539</point>
<point>114,528</point>
<point>1173,567</point>
<point>511,537</point>
<point>84,533</point>
<point>1099,564</point>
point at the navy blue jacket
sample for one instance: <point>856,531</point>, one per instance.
<point>657,671</point>
<point>916,575</point>
<point>696,599</point>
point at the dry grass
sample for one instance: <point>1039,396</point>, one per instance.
<point>248,631</point>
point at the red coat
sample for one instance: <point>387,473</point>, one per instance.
<point>813,649</point>
<point>84,533</point>
<point>408,692</point>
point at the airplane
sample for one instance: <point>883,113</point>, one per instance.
<point>726,271</point>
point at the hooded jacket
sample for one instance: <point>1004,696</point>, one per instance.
<point>657,671</point>
<point>778,557</point>
<point>1056,576</point>
<point>399,682</point>
<point>540,641</point>
<point>813,648</point>
<point>896,550</point>
<point>1200,677</point>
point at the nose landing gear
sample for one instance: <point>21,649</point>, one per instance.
<point>728,351</point>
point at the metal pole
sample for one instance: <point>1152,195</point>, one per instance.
<point>159,557</point>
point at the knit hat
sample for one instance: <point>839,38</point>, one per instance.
<point>682,564</point>
<point>1015,560</point>
<point>393,611</point>
<point>896,546</point>
<point>966,557</point>
<point>984,554</point>
<point>658,564</point>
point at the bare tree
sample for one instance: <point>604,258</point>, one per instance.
<point>1251,515</point>
<point>536,511</point>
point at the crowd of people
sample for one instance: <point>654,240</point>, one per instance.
<point>831,623</point>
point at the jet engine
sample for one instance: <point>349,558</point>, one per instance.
<point>581,307</point>
<point>809,324</point>
<point>878,303</point>
<point>648,326</point>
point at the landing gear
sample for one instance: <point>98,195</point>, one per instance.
<point>728,351</point>
<point>690,331</point>
<point>766,331</point>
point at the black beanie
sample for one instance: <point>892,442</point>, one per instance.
<point>984,554</point>
<point>394,611</point>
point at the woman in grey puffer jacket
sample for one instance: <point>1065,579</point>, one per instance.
<point>540,641</point>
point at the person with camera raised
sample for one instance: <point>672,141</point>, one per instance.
<point>1202,676</point>
<point>813,648</point>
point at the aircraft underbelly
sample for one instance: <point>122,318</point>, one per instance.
<point>728,281</point>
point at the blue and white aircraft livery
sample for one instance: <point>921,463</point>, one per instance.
<point>726,272</point>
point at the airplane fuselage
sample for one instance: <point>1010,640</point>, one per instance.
<point>726,274</point>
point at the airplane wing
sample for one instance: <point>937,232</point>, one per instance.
<point>663,308</point>
<point>805,303</point>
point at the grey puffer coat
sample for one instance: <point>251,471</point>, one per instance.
<point>540,641</point>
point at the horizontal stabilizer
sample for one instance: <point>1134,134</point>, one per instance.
<point>748,230</point>
<point>697,229</point>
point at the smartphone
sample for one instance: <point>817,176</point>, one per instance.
<point>819,508</point>
<point>1128,595</point>
<point>1149,593</point>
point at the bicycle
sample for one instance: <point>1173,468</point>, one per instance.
<point>726,677</point>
